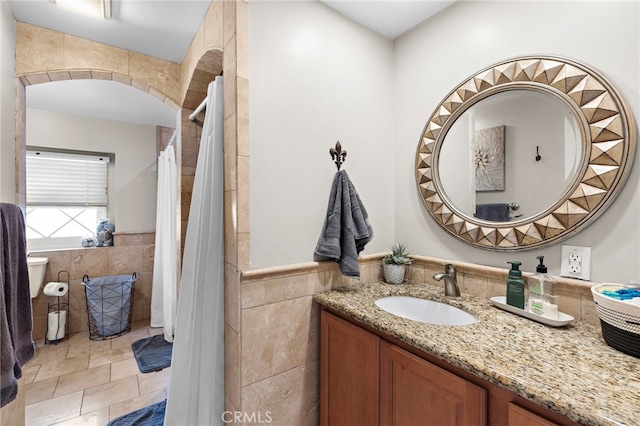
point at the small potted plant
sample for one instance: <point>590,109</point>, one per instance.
<point>395,264</point>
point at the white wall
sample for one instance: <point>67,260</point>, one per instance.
<point>133,193</point>
<point>7,104</point>
<point>316,78</point>
<point>433,58</point>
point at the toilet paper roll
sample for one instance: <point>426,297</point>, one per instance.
<point>56,323</point>
<point>56,289</point>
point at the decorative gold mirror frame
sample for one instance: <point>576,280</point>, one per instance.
<point>608,145</point>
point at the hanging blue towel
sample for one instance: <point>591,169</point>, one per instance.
<point>16,342</point>
<point>346,229</point>
<point>498,212</point>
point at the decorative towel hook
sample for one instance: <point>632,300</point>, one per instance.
<point>338,155</point>
<point>538,157</point>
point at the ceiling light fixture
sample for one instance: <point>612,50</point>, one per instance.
<point>98,9</point>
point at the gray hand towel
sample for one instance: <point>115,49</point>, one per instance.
<point>16,342</point>
<point>346,229</point>
<point>498,212</point>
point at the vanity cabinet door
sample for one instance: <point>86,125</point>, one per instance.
<point>414,391</point>
<point>349,374</point>
<point>518,416</point>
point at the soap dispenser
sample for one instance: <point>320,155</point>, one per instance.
<point>515,286</point>
<point>543,299</point>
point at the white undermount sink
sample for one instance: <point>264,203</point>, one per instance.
<point>427,311</point>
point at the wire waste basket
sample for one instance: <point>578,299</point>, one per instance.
<point>109,305</point>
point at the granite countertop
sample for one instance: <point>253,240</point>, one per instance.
<point>569,370</point>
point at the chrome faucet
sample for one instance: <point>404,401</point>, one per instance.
<point>450,283</point>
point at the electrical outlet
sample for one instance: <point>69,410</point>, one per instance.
<point>576,262</point>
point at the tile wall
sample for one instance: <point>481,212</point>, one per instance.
<point>131,252</point>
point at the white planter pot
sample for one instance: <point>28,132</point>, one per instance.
<point>394,274</point>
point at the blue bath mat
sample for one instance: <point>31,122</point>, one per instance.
<point>152,415</point>
<point>152,353</point>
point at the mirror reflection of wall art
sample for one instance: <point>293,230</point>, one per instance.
<point>488,149</point>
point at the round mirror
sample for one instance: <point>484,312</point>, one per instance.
<point>525,153</point>
<point>522,148</point>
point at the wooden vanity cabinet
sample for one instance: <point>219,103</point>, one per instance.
<point>369,379</point>
<point>349,371</point>
<point>366,381</point>
<point>414,391</point>
<point>518,416</point>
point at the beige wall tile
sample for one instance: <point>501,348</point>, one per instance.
<point>38,49</point>
<point>244,261</point>
<point>275,290</point>
<point>243,115</point>
<point>232,366</point>
<point>92,262</point>
<point>80,74</point>
<point>229,22</point>
<point>230,154</point>
<point>213,25</point>
<point>474,284</point>
<point>289,398</point>
<point>230,92</point>
<point>415,274</point>
<point>296,286</point>
<point>272,341</point>
<point>242,38</point>
<point>125,260</point>
<point>317,282</point>
<point>589,313</point>
<point>124,79</point>
<point>230,227</point>
<point>243,194</point>
<point>59,75</point>
<point>253,294</point>
<point>164,76</point>
<point>232,297</point>
<point>570,304</point>
<point>82,53</point>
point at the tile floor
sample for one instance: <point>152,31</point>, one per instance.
<point>90,382</point>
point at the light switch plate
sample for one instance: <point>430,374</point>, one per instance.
<point>576,262</point>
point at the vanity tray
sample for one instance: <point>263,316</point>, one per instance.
<point>501,302</point>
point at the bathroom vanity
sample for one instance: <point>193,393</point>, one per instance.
<point>378,368</point>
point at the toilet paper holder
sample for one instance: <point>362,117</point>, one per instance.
<point>58,312</point>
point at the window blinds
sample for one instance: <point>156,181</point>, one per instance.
<point>66,179</point>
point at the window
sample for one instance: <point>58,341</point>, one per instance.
<point>67,192</point>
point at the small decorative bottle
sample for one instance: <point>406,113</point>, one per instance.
<point>543,299</point>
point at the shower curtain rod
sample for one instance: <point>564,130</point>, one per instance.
<point>197,111</point>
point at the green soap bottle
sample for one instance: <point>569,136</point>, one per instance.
<point>515,286</point>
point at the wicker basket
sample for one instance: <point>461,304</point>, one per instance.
<point>620,321</point>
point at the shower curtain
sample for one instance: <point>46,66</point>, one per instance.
<point>196,389</point>
<point>165,268</point>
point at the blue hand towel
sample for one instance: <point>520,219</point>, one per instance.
<point>16,323</point>
<point>346,229</point>
<point>498,212</point>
